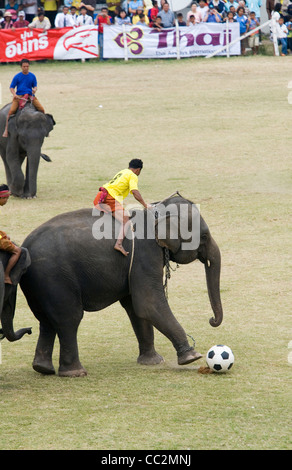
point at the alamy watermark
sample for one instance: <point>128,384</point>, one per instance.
<point>163,222</point>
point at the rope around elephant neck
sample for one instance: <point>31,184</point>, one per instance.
<point>168,268</point>
<point>132,256</point>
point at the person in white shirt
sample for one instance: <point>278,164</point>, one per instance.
<point>30,8</point>
<point>40,22</point>
<point>73,13</point>
<point>193,11</point>
<point>64,20</point>
<point>83,18</point>
<point>202,9</point>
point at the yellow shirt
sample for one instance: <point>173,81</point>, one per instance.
<point>50,5</point>
<point>122,183</point>
<point>76,3</point>
<point>117,3</point>
<point>136,18</point>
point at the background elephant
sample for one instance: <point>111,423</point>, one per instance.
<point>8,294</point>
<point>72,271</point>
<point>26,132</point>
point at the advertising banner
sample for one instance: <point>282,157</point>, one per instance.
<point>58,44</point>
<point>187,41</point>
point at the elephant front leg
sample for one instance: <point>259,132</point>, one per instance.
<point>70,365</point>
<point>32,165</point>
<point>145,335</point>
<point>6,166</point>
<point>155,309</point>
<point>16,175</point>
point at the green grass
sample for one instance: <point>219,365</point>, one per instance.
<point>219,132</point>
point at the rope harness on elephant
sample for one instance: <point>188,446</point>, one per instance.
<point>168,268</point>
<point>132,255</point>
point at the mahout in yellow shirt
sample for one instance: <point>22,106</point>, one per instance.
<point>123,183</point>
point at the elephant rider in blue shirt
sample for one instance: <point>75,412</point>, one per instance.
<point>25,83</point>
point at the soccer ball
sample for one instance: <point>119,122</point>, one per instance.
<point>220,358</point>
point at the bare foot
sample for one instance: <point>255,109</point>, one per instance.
<point>120,248</point>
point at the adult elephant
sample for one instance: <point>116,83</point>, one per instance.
<point>26,132</point>
<point>74,267</point>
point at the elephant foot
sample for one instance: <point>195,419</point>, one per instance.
<point>43,368</point>
<point>188,357</point>
<point>72,372</point>
<point>150,359</point>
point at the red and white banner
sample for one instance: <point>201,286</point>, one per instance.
<point>58,44</point>
<point>188,41</point>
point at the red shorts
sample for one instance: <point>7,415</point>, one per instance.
<point>109,204</point>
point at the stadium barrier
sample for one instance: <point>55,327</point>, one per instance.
<point>134,41</point>
<point>129,41</point>
<point>271,23</point>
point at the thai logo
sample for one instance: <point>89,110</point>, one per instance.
<point>132,40</point>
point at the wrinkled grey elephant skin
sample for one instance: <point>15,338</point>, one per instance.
<point>71,272</point>
<point>26,132</point>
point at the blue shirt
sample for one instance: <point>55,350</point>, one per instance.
<point>211,18</point>
<point>255,5</point>
<point>242,20</point>
<point>24,83</point>
<point>229,4</point>
<point>135,5</point>
<point>288,24</point>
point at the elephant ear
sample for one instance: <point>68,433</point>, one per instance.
<point>167,230</point>
<point>21,266</point>
<point>49,124</point>
<point>12,124</point>
<point>179,227</point>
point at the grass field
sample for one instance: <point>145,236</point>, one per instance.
<point>219,131</point>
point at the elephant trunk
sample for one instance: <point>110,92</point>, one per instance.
<point>212,269</point>
<point>7,316</point>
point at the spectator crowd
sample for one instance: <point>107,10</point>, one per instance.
<point>47,14</point>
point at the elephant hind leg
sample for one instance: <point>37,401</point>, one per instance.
<point>69,364</point>
<point>42,362</point>
<point>145,335</point>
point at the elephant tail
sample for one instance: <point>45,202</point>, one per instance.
<point>46,157</point>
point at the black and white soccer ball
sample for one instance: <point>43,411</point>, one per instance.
<point>220,358</point>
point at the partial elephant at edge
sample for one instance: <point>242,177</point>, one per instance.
<point>8,293</point>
